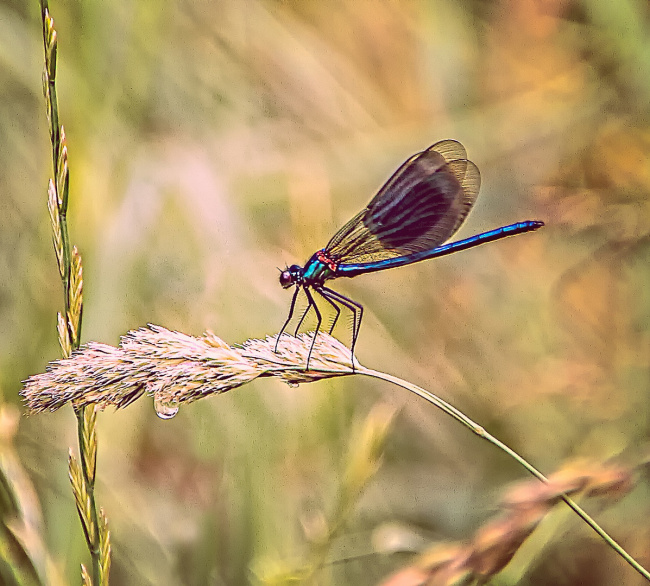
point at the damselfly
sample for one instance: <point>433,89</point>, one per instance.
<point>418,209</point>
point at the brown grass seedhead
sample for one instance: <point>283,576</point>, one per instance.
<point>494,544</point>
<point>177,368</point>
<point>589,478</point>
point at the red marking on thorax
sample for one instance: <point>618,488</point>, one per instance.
<point>321,255</point>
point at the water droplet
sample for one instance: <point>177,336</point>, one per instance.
<point>293,385</point>
<point>165,409</point>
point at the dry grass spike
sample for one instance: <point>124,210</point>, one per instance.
<point>176,368</point>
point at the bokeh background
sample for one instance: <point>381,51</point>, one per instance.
<point>211,143</point>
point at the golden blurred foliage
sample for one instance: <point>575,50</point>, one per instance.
<point>211,143</point>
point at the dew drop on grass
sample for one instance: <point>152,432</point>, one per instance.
<point>165,409</point>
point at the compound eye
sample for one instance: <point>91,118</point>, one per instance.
<point>286,279</point>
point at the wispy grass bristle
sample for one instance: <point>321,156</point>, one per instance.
<point>177,368</point>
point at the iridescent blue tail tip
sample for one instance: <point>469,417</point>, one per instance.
<point>526,226</point>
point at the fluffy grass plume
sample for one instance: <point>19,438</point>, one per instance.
<point>177,368</point>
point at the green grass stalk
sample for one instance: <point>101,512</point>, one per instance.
<point>481,432</point>
<point>69,322</point>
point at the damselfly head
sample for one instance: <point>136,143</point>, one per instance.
<point>290,276</point>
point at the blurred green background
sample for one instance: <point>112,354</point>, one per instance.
<point>212,142</point>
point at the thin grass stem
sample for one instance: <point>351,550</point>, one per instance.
<point>481,432</point>
<point>69,322</point>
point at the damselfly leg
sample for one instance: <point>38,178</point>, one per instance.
<point>356,309</point>
<point>302,319</point>
<point>286,323</point>
<point>319,321</point>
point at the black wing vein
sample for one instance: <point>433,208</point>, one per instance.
<point>420,207</point>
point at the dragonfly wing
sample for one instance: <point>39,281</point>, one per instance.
<point>420,207</point>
